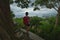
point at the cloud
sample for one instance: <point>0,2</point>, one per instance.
<point>19,12</point>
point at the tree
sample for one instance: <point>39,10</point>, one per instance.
<point>54,35</point>
<point>51,4</point>
<point>6,22</point>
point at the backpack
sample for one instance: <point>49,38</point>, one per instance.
<point>26,20</point>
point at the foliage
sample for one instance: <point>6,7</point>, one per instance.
<point>22,3</point>
<point>10,1</point>
<point>45,27</point>
<point>41,2</point>
<point>35,20</point>
<point>48,3</point>
<point>19,21</point>
<point>12,14</point>
<point>36,8</point>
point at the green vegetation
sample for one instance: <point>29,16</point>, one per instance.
<point>49,29</point>
<point>44,27</point>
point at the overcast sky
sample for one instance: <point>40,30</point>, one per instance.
<point>21,12</point>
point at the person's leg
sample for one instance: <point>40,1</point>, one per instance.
<point>27,33</point>
<point>28,28</point>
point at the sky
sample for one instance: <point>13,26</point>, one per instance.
<point>19,12</point>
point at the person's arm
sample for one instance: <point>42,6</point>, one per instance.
<point>29,20</point>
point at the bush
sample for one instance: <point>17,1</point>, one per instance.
<point>43,27</point>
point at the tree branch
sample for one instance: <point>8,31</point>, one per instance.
<point>58,2</point>
<point>55,9</point>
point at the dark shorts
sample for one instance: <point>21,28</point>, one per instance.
<point>27,24</point>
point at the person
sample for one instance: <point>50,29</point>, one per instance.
<point>26,21</point>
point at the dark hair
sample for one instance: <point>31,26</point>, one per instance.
<point>26,13</point>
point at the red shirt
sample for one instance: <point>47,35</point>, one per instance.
<point>26,20</point>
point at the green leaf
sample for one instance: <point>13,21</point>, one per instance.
<point>11,1</point>
<point>36,8</point>
<point>50,6</point>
